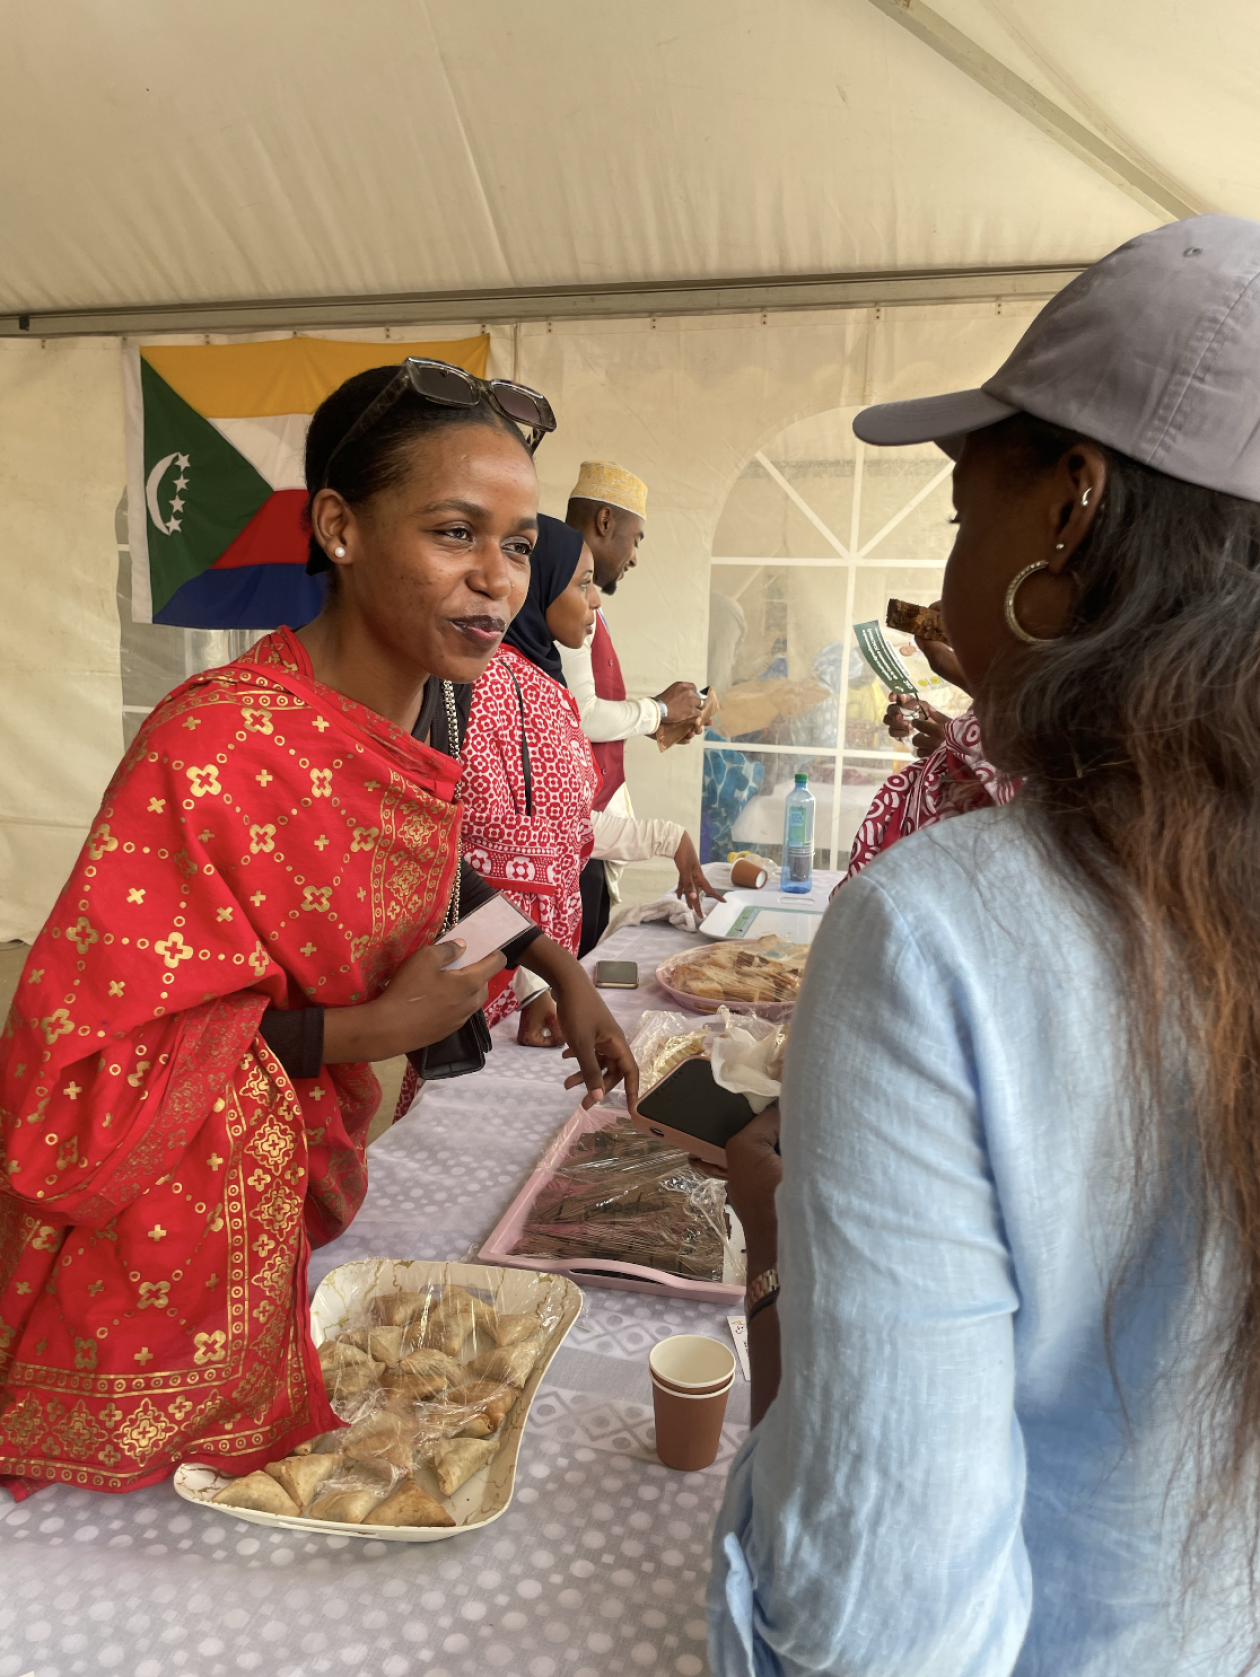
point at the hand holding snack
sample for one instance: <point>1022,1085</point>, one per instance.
<point>682,701</point>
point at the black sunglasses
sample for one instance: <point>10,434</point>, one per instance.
<point>452,387</point>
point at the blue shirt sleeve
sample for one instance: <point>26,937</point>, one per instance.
<point>872,1523</point>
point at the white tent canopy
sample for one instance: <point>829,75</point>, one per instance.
<point>682,220</point>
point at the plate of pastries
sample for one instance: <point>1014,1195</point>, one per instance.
<point>432,1368</point>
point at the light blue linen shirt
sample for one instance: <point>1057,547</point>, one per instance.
<point>947,1484</point>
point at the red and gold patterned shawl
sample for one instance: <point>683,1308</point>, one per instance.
<point>265,841</point>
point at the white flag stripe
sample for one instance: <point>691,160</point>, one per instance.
<point>273,445</point>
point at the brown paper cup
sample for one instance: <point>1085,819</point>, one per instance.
<point>691,1362</point>
<point>689,1426</point>
<point>749,875</point>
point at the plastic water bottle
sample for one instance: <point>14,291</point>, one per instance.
<point>798,838</point>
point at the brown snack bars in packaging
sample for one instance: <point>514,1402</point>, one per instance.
<point>924,622</point>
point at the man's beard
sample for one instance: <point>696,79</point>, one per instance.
<point>608,587</point>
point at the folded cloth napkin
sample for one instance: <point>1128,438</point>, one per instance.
<point>668,907</point>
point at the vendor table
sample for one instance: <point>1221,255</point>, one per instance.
<point>597,1568</point>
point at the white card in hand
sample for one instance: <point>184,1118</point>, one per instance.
<point>486,929</point>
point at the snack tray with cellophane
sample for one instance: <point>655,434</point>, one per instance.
<point>760,975</point>
<point>434,1367</point>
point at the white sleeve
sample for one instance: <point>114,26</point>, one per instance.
<point>622,838</point>
<point>604,719</point>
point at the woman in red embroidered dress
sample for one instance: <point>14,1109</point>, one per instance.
<point>530,779</point>
<point>274,849</point>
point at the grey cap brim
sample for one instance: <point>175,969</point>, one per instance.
<point>931,419</point>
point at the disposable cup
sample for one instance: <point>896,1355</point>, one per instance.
<point>750,876</point>
<point>689,1426</point>
<point>691,1362</point>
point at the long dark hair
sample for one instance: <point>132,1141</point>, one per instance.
<point>378,459</point>
<point>1138,734</point>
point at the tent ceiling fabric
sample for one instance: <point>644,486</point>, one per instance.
<point>235,151</point>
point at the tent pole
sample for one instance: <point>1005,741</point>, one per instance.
<point>632,299</point>
<point>1152,190</point>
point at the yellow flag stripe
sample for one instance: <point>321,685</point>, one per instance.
<point>289,375</point>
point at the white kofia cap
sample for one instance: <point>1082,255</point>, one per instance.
<point>1154,351</point>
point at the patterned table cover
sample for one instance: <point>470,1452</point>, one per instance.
<point>599,1566</point>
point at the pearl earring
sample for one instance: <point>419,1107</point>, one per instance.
<point>1058,547</point>
<point>339,552</point>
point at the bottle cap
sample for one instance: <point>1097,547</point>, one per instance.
<point>802,780</point>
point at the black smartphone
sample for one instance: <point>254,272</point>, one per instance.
<point>617,975</point>
<point>691,1111</point>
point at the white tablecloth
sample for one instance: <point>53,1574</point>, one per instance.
<point>597,1568</point>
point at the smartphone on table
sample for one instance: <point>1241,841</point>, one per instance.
<point>616,975</point>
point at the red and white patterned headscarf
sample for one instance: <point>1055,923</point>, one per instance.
<point>955,778</point>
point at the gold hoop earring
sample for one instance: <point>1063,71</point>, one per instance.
<point>1013,588</point>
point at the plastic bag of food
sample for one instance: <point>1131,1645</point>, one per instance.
<point>746,1052</point>
<point>625,1197</point>
<point>427,1377</point>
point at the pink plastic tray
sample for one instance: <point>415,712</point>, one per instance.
<point>600,1272</point>
<point>776,1012</point>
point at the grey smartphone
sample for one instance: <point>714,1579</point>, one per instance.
<point>616,975</point>
<point>691,1111</point>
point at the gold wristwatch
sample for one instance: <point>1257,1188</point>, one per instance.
<point>761,1290</point>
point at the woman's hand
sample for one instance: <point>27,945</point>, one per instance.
<point>929,730</point>
<point>899,717</point>
<point>540,1026</point>
<point>691,881</point>
<point>943,661</point>
<point>423,1004</point>
<point>753,1172</point>
<point>595,1039</point>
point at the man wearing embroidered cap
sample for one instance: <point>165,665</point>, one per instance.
<point>609,506</point>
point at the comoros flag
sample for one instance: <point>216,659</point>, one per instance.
<point>215,439</point>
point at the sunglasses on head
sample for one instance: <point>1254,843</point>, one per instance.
<point>452,387</point>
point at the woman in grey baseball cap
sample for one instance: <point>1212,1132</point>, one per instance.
<point>1014,1425</point>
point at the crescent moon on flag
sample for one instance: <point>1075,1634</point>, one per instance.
<point>151,493</point>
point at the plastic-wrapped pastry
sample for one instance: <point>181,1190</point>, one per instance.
<point>489,1397</point>
<point>348,1373</point>
<point>455,1460</point>
<point>399,1310</point>
<point>379,1428</point>
<point>423,1374</point>
<point>408,1505</point>
<point>260,1492</point>
<point>383,1345</point>
<point>375,1466</point>
<point>510,1330</point>
<point>510,1364</point>
<point>454,1319</point>
<point>349,1507</point>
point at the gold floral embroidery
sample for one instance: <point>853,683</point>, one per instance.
<point>101,841</point>
<point>145,1431</point>
<point>173,950</point>
<point>83,934</point>
<point>210,1347</point>
<point>204,782</point>
<point>57,1024</point>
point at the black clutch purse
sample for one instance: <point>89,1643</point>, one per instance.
<point>457,1055</point>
